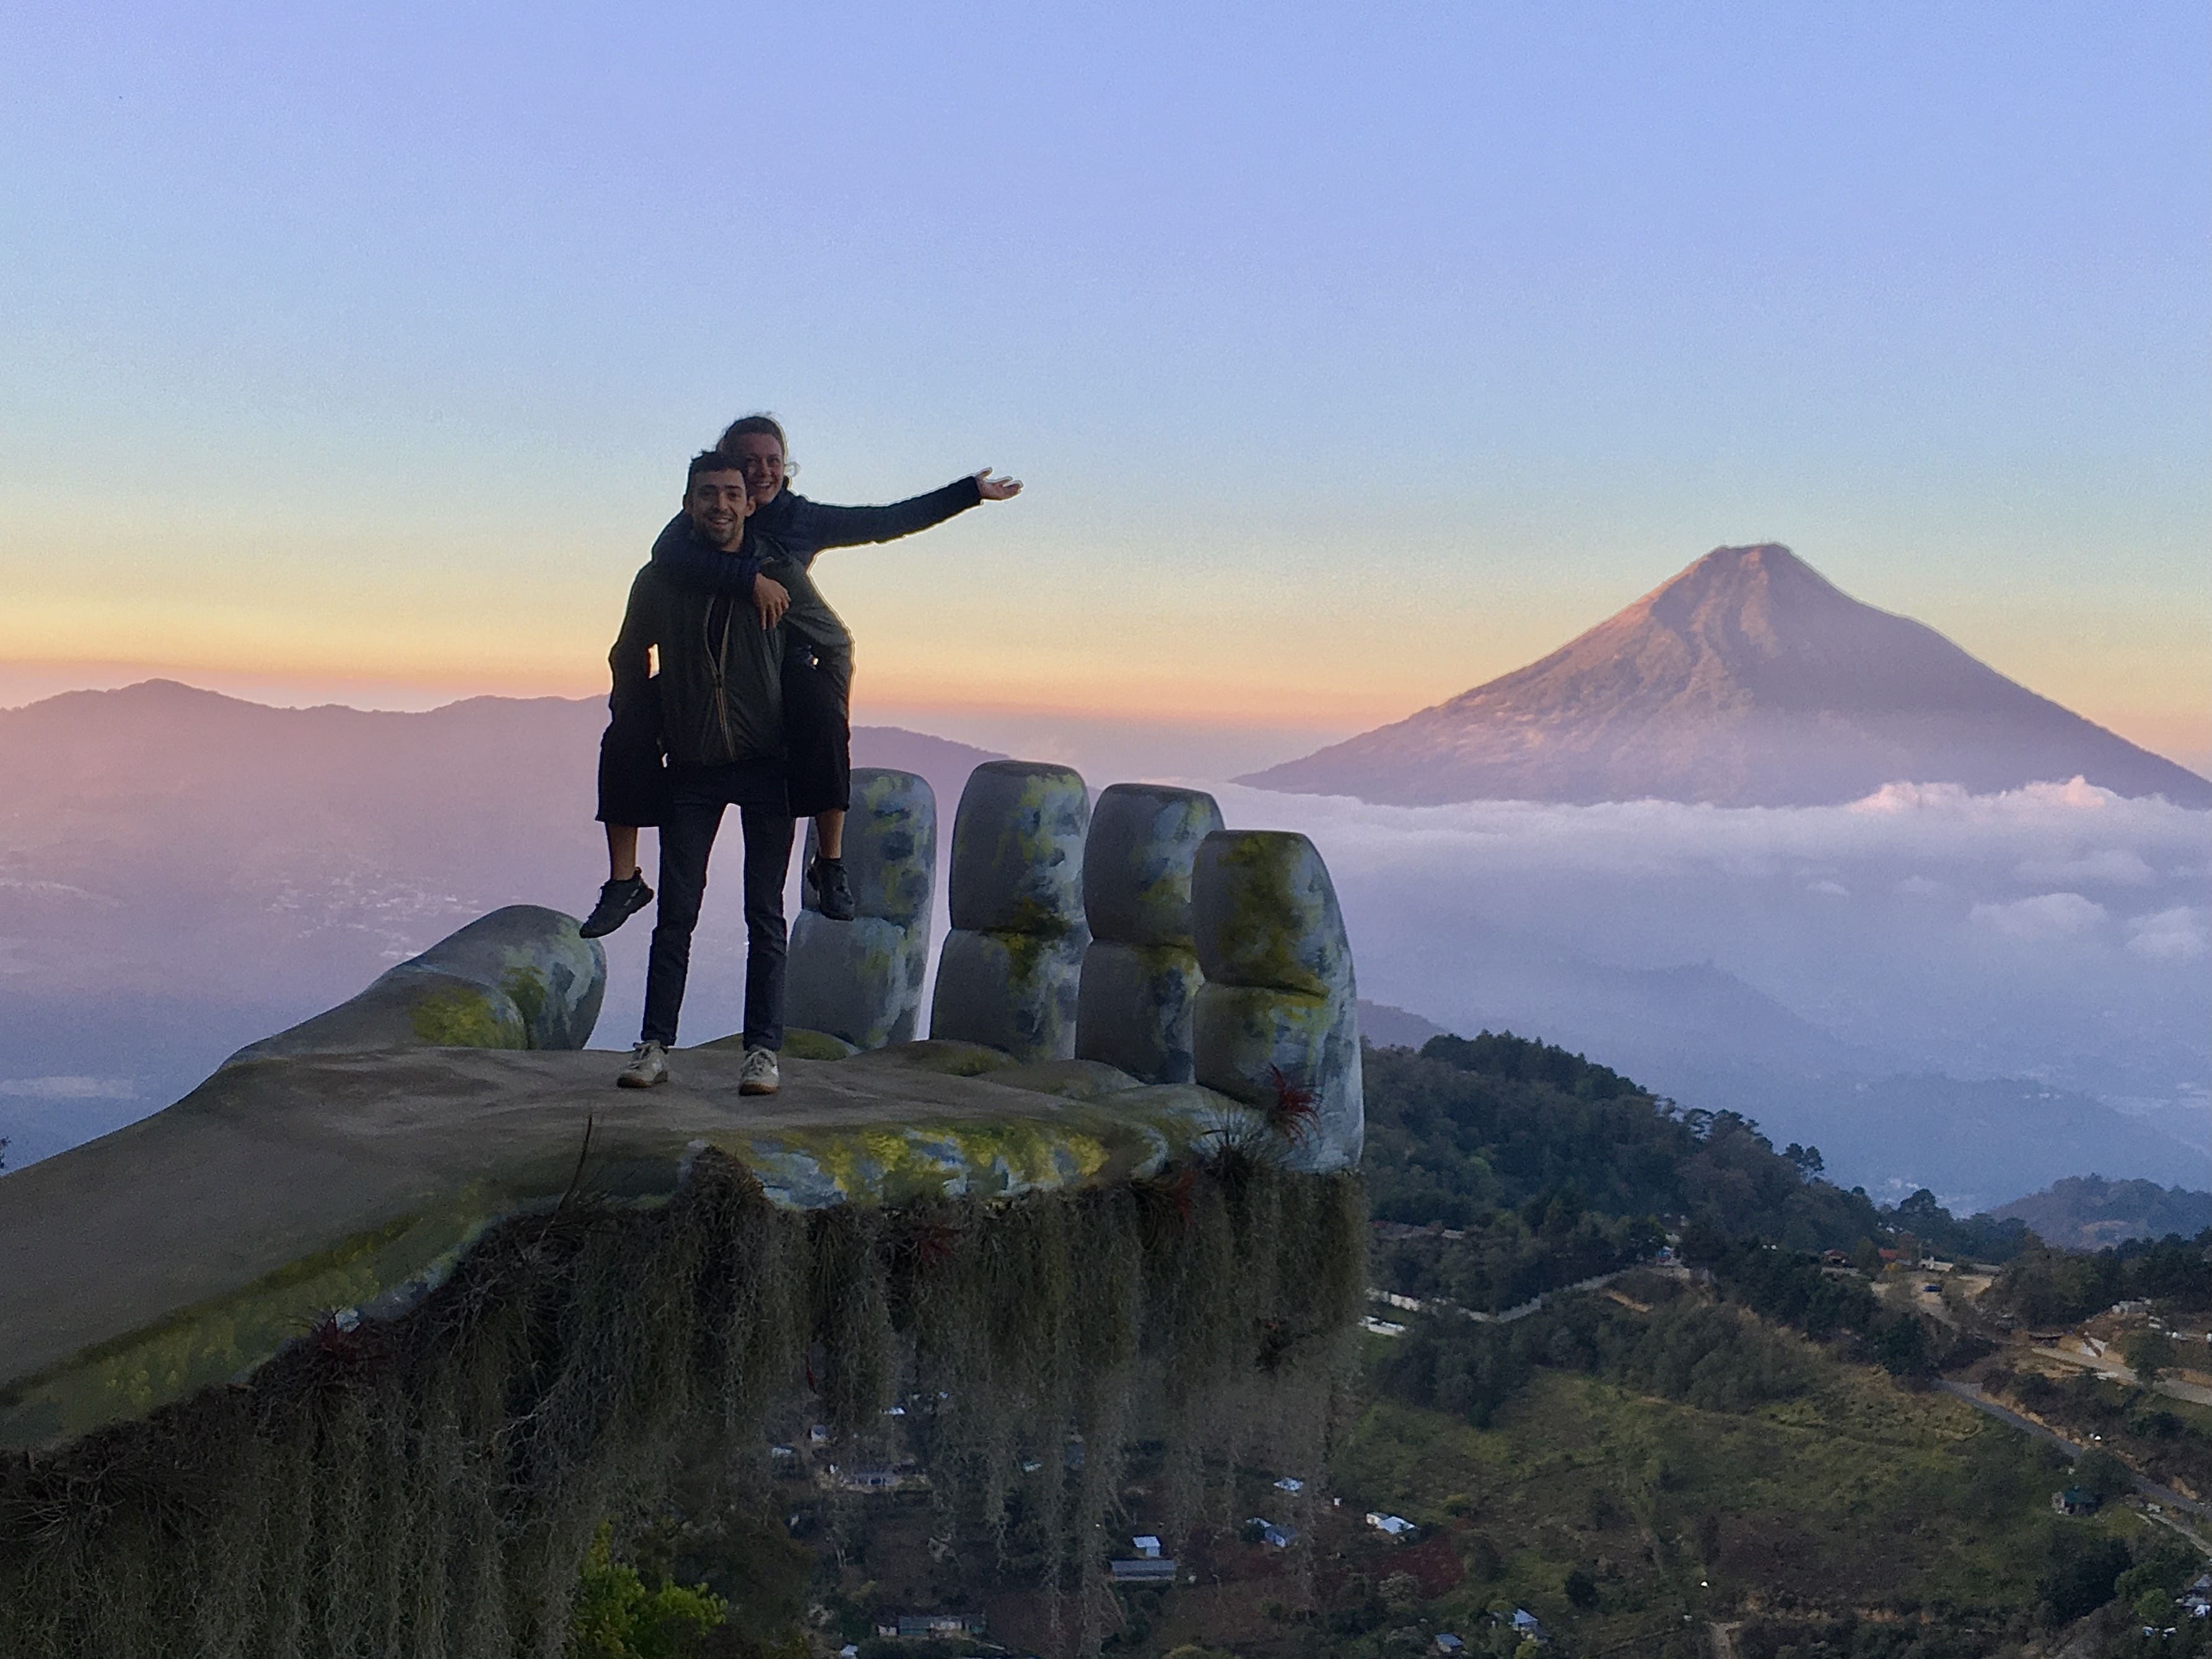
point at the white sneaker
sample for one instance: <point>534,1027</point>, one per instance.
<point>648,1065</point>
<point>758,1075</point>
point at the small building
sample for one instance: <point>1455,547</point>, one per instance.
<point>1447,1646</point>
<point>1290,1483</point>
<point>2075,1500</point>
<point>819,1434</point>
<point>1277,1537</point>
<point>1530,1628</point>
<point>1396,1525</point>
<point>1143,1569</point>
<point>1375,1326</point>
<point>923,1626</point>
<point>1147,1545</point>
<point>874,1479</point>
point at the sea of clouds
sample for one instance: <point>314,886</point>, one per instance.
<point>2057,932</point>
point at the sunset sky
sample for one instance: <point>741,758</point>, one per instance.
<point>1352,355</point>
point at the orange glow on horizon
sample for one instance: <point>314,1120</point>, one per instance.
<point>1212,702</point>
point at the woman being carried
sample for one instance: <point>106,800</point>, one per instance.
<point>784,534</point>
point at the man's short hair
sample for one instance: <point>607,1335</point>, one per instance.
<point>707,460</point>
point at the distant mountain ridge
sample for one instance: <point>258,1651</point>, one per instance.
<point>1747,680</point>
<point>2088,1212</point>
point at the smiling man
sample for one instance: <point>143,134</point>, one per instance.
<point>718,705</point>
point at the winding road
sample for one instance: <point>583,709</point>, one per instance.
<point>1981,1402</point>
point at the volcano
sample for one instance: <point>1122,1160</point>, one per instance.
<point>1748,680</point>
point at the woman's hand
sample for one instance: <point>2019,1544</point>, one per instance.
<point>996,489</point>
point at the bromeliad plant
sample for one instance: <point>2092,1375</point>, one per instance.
<point>1290,1107</point>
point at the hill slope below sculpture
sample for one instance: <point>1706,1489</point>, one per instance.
<point>1748,680</point>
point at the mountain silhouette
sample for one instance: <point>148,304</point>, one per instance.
<point>1748,680</point>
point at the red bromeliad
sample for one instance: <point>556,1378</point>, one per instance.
<point>1290,1114</point>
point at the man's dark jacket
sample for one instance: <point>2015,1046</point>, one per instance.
<point>720,689</point>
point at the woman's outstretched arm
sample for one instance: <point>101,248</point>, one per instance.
<point>807,527</point>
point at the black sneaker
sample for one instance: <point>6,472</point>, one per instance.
<point>833,888</point>
<point>619,902</point>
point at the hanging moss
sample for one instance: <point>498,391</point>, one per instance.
<point>429,1485</point>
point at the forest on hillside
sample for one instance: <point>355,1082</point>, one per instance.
<point>1531,1167</point>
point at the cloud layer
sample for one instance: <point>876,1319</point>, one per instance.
<point>2057,931</point>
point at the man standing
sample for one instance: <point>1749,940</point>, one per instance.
<point>720,705</point>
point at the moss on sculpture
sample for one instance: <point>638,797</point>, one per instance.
<point>466,1016</point>
<point>427,1486</point>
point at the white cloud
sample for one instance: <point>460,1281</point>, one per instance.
<point>2117,866</point>
<point>2047,915</point>
<point>1939,832</point>
<point>2180,935</point>
<point>69,1088</point>
<point>1830,889</point>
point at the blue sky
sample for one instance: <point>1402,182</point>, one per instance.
<point>1352,356</point>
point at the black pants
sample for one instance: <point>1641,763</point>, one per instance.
<point>633,783</point>
<point>697,801</point>
<point>817,730</point>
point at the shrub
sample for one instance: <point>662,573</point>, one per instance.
<point>616,1617</point>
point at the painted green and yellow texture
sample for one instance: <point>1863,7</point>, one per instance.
<point>1009,969</point>
<point>1278,1015</point>
<point>862,980</point>
<point>520,977</point>
<point>1141,974</point>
